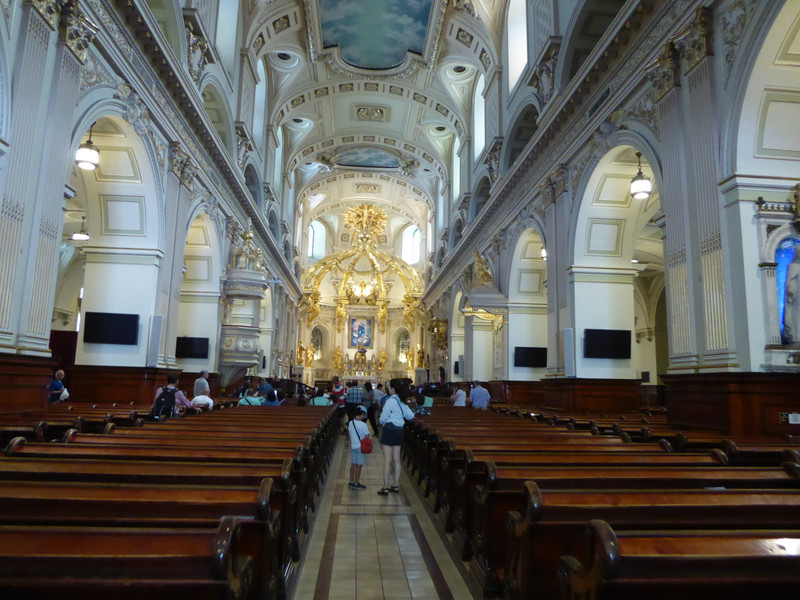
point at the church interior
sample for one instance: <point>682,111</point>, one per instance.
<point>591,207</point>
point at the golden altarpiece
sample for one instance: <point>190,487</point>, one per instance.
<point>361,314</point>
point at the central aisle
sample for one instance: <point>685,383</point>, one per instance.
<point>368,547</point>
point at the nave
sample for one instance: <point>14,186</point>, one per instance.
<point>368,547</point>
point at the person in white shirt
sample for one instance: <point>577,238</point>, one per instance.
<point>358,431</point>
<point>204,402</point>
<point>393,417</point>
<point>459,397</point>
<point>479,396</point>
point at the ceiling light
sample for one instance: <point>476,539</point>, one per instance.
<point>641,186</point>
<point>87,156</point>
<point>81,235</point>
<point>544,253</point>
<point>635,261</point>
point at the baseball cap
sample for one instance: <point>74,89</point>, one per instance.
<point>362,409</point>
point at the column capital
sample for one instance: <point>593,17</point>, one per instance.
<point>76,31</point>
<point>697,41</point>
<point>665,75</point>
<point>49,10</point>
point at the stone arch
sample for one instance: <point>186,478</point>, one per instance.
<point>274,224</point>
<point>458,232</point>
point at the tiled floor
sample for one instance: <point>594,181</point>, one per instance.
<point>367,547</point>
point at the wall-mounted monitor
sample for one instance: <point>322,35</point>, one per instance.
<point>191,347</point>
<point>606,343</point>
<point>530,356</point>
<point>110,328</point>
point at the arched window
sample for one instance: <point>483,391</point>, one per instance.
<point>316,340</point>
<point>260,108</point>
<point>517,40</point>
<point>410,245</point>
<point>403,345</point>
<point>784,256</point>
<point>478,119</point>
<point>316,240</point>
<point>227,28</point>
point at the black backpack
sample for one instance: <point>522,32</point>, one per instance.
<point>164,406</point>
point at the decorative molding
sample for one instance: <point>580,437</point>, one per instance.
<point>698,41</point>
<point>94,73</point>
<point>734,21</point>
<point>76,31</point>
<point>197,52</point>
<point>49,10</point>
<point>665,73</point>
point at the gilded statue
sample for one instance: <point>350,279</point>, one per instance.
<point>310,354</point>
<point>341,316</point>
<point>482,271</point>
<point>410,357</point>
<point>300,356</point>
<point>382,316</point>
<point>337,360</point>
<point>420,357</point>
<point>382,360</point>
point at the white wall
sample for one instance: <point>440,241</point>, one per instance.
<point>527,326</point>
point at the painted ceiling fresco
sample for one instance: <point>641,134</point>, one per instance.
<point>368,157</point>
<point>375,34</point>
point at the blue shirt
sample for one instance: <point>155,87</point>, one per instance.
<point>480,397</point>
<point>355,395</point>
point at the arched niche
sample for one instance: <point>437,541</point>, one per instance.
<point>617,240</point>
<point>527,306</point>
<point>121,259</point>
<point>217,110</point>
<point>456,341</point>
<point>198,315</point>
<point>170,21</point>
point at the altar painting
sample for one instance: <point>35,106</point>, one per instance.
<point>360,332</point>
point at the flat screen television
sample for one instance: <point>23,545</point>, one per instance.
<point>110,328</point>
<point>191,347</point>
<point>606,343</point>
<point>530,356</point>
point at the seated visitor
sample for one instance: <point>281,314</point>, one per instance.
<point>58,393</point>
<point>322,399</point>
<point>203,402</point>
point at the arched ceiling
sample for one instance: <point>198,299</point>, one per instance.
<point>366,87</point>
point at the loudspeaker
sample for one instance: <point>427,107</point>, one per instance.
<point>569,351</point>
<point>154,340</point>
<point>455,368</point>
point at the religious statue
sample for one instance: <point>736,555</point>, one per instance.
<point>337,360</point>
<point>301,353</point>
<point>341,315</point>
<point>791,314</point>
<point>360,358</point>
<point>420,357</point>
<point>382,316</point>
<point>382,360</point>
<point>410,358</point>
<point>310,354</point>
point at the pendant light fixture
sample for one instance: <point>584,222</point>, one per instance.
<point>641,186</point>
<point>81,235</point>
<point>87,157</point>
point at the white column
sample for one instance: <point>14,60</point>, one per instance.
<point>44,239</point>
<point>18,218</point>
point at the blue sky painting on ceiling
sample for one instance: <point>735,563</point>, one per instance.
<point>368,157</point>
<point>375,34</point>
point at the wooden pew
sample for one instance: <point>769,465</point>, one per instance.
<point>67,561</point>
<point>151,505</point>
<point>691,565</point>
<point>552,523</point>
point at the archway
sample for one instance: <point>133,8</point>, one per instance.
<point>527,350</point>
<point>198,316</point>
<point>456,367</point>
<point>617,258</point>
<point>480,197</point>
<point>520,134</point>
<point>108,283</point>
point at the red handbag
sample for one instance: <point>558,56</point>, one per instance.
<point>366,443</point>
